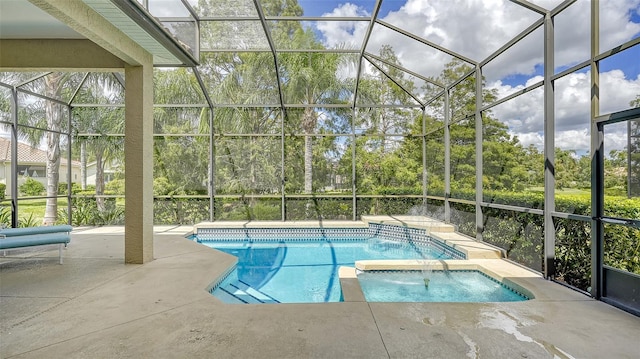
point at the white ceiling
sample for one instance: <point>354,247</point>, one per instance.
<point>19,19</point>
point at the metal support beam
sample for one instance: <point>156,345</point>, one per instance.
<point>479,157</point>
<point>69,158</point>
<point>369,56</point>
<point>283,201</point>
<point>272,46</point>
<point>560,8</point>
<point>118,76</point>
<point>415,98</point>
<point>367,35</point>
<point>14,157</point>
<point>549,150</point>
<point>629,153</point>
<point>354,198</point>
<point>447,156</point>
<point>75,93</point>
<point>597,160</point>
<point>212,147</point>
<point>427,42</point>
<point>212,168</point>
<point>524,33</point>
<point>425,176</point>
<point>530,6</point>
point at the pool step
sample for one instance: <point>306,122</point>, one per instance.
<point>263,297</point>
<point>239,292</point>
<point>228,297</point>
<point>241,295</point>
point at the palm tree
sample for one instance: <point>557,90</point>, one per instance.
<point>47,114</point>
<point>101,123</point>
<point>310,79</point>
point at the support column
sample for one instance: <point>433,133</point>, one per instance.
<point>14,158</point>
<point>447,156</point>
<point>597,162</point>
<point>479,157</point>
<point>354,198</point>
<point>138,238</point>
<point>549,150</point>
<point>283,174</point>
<point>425,174</point>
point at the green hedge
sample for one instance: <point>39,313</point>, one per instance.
<point>521,234</point>
<point>180,210</point>
<point>319,208</point>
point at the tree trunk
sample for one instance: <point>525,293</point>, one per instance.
<point>308,124</point>
<point>308,164</point>
<point>99,181</point>
<point>53,86</point>
<point>53,176</point>
<point>83,165</point>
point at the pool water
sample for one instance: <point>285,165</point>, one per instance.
<point>443,286</point>
<point>303,271</point>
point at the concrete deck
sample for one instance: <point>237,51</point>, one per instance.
<point>95,306</point>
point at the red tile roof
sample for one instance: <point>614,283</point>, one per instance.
<point>26,153</point>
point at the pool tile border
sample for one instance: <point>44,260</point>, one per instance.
<point>384,231</point>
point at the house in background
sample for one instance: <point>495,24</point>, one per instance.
<point>32,163</point>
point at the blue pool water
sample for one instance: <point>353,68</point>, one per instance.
<point>303,271</point>
<point>443,286</point>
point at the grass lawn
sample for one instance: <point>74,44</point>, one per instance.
<point>562,191</point>
<point>32,210</point>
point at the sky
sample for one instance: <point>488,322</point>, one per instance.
<point>477,28</point>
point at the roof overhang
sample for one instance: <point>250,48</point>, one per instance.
<point>54,19</point>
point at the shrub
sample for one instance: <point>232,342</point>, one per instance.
<point>180,211</point>
<point>62,188</point>
<point>85,212</point>
<point>115,186</point>
<point>3,190</point>
<point>31,187</point>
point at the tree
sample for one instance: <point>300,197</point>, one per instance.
<point>636,102</point>
<point>309,79</point>
<point>377,88</point>
<point>181,155</point>
<point>49,115</point>
<point>97,126</point>
<point>54,84</point>
<point>502,152</point>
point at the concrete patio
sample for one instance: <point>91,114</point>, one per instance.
<point>95,306</point>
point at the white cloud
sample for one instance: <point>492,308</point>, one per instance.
<point>349,34</point>
<point>476,28</point>
<point>525,117</point>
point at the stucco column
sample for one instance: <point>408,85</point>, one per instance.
<point>138,147</point>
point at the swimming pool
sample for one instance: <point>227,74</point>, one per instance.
<point>304,271</point>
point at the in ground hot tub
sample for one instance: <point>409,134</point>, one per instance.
<point>434,286</point>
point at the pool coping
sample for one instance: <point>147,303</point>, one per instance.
<point>437,230</point>
<point>441,232</point>
<point>279,224</point>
